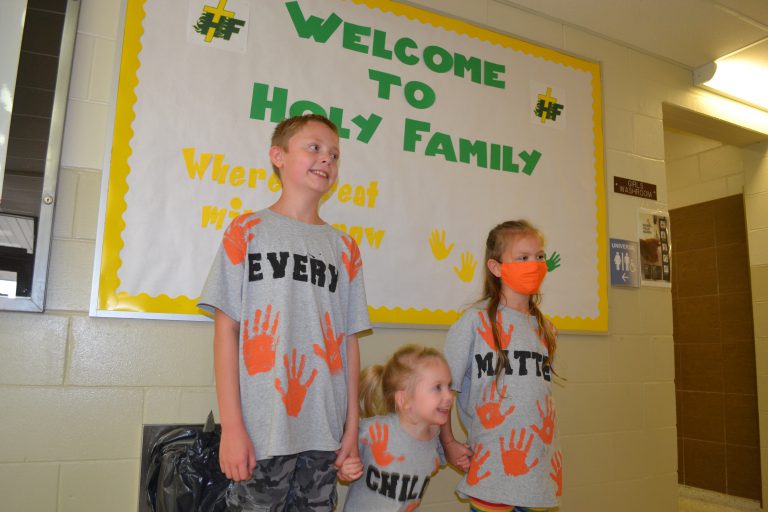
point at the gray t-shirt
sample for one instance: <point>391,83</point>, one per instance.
<point>511,424</point>
<point>297,291</point>
<point>396,467</point>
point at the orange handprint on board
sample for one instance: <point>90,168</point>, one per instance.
<point>547,430</point>
<point>259,347</point>
<point>294,397</point>
<point>478,460</point>
<point>235,241</point>
<point>487,333</point>
<point>489,411</point>
<point>379,439</point>
<point>557,472</point>
<point>514,458</point>
<point>352,261</point>
<point>331,354</point>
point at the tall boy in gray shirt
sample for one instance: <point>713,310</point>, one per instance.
<point>288,297</point>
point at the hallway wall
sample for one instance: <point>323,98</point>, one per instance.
<point>75,390</point>
<point>756,209</point>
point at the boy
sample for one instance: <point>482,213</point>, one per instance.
<point>287,294</point>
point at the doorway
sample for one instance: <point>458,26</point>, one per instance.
<point>715,366</point>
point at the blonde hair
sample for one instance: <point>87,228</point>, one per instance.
<point>379,383</point>
<point>287,128</point>
<point>498,238</point>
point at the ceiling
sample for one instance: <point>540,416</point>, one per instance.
<point>687,32</point>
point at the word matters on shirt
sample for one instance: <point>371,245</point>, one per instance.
<point>519,362</point>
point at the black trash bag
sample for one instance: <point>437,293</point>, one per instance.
<point>184,473</point>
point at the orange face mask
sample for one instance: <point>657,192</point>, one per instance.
<point>524,276</point>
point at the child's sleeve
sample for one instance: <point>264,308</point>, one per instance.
<point>459,346</point>
<point>224,286</point>
<point>357,307</point>
<point>441,459</point>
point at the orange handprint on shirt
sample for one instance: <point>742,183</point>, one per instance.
<point>547,430</point>
<point>487,333</point>
<point>412,506</point>
<point>557,473</point>
<point>514,458</point>
<point>474,466</point>
<point>489,411</point>
<point>352,260</point>
<point>259,347</point>
<point>379,439</point>
<point>235,242</point>
<point>294,397</point>
<point>331,354</point>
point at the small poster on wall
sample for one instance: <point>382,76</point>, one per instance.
<point>654,239</point>
<point>623,258</point>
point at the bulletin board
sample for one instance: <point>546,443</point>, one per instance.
<point>446,128</point>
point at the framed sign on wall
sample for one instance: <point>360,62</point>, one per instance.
<point>446,130</point>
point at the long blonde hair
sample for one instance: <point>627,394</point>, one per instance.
<point>498,238</point>
<point>380,383</point>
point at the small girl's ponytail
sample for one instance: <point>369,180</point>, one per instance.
<point>372,401</point>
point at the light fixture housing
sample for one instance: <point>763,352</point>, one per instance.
<point>742,76</point>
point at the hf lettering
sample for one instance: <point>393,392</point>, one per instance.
<point>394,485</point>
<point>522,362</point>
<point>300,267</point>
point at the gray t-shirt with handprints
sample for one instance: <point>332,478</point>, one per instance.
<point>511,423</point>
<point>297,292</point>
<point>397,467</point>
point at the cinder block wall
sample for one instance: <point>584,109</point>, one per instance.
<point>756,209</point>
<point>75,390</point>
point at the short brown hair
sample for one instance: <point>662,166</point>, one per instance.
<point>287,128</point>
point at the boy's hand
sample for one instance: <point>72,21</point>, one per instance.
<point>236,454</point>
<point>351,469</point>
<point>458,454</point>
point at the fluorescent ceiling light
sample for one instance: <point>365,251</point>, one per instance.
<point>742,76</point>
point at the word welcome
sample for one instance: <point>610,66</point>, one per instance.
<point>368,40</point>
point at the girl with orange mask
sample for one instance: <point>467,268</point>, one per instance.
<point>500,352</point>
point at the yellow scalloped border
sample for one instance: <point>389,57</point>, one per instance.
<point>108,298</point>
<point>111,300</point>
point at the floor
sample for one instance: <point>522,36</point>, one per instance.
<point>698,500</point>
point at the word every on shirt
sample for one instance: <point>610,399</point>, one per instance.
<point>303,267</point>
<point>517,363</point>
<point>394,485</point>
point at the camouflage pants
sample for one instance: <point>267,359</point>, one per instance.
<point>304,482</point>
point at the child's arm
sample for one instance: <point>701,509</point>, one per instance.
<point>349,439</point>
<point>236,454</point>
<point>456,453</point>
